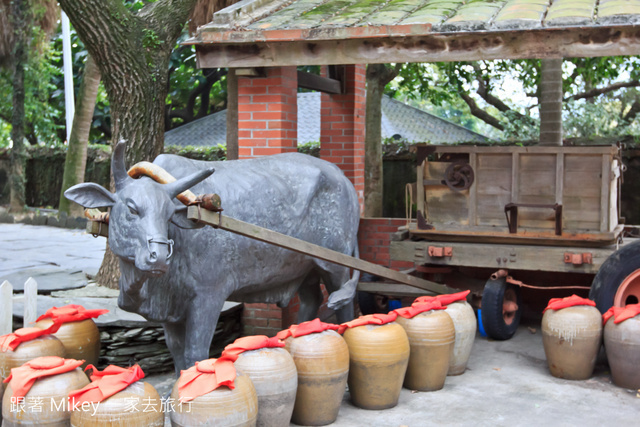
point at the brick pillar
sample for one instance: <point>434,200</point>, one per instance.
<point>342,128</point>
<point>268,113</point>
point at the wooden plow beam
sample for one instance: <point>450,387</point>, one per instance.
<point>217,220</point>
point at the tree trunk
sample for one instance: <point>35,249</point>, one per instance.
<point>19,15</point>
<point>132,52</point>
<point>232,115</point>
<point>378,75</point>
<point>551,102</point>
<point>76,159</point>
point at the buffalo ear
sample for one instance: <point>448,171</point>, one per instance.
<point>180,219</point>
<point>90,195</point>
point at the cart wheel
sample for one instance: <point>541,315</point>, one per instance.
<point>618,280</point>
<point>501,309</point>
<point>372,303</point>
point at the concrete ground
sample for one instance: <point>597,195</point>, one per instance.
<point>507,383</point>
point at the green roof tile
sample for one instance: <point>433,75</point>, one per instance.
<point>284,15</point>
<point>619,12</point>
<point>393,12</point>
<point>570,12</point>
<point>355,13</point>
<point>318,15</point>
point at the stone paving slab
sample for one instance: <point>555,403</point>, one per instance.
<point>48,279</point>
<point>57,258</point>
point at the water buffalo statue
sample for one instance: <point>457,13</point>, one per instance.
<point>178,273</point>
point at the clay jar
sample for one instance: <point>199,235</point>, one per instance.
<point>571,338</point>
<point>45,345</point>
<point>378,356</point>
<point>622,343</point>
<point>81,339</point>
<point>465,324</point>
<point>45,404</point>
<point>221,407</point>
<point>138,405</point>
<point>322,362</point>
<point>432,337</point>
<point>273,373</point>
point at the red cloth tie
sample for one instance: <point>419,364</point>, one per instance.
<point>417,308</point>
<point>371,319</point>
<point>573,300</point>
<point>445,299</point>
<point>23,377</point>
<point>306,328</point>
<point>71,313</point>
<point>255,342</point>
<point>106,383</point>
<point>13,340</point>
<point>620,314</point>
<point>205,377</point>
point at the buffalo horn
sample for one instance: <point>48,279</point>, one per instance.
<point>118,168</point>
<point>177,187</point>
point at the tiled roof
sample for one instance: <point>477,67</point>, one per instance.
<point>289,20</point>
<point>397,119</point>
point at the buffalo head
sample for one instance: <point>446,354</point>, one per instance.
<point>141,210</point>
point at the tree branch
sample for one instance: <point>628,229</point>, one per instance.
<point>479,112</point>
<point>599,91</point>
<point>484,93</point>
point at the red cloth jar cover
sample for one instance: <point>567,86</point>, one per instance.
<point>71,313</point>
<point>106,383</point>
<point>13,340</point>
<point>371,319</point>
<point>210,374</point>
<point>23,377</point>
<point>417,308</point>
<point>620,314</point>
<point>573,300</point>
<point>445,299</point>
<point>255,342</point>
<point>306,328</point>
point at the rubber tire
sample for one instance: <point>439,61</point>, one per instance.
<point>612,273</point>
<point>492,301</point>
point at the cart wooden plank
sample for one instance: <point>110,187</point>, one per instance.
<point>512,257</point>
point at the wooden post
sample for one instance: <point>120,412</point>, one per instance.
<point>232,115</point>
<point>30,302</point>
<point>6,308</point>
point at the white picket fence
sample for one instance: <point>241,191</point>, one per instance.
<point>6,305</point>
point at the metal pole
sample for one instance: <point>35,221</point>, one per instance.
<point>69,102</point>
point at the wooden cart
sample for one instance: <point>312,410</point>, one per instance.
<point>510,214</point>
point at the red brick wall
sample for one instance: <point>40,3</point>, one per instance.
<point>268,113</point>
<point>342,128</point>
<point>374,238</point>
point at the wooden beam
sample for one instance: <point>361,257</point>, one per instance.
<point>572,42</point>
<point>96,228</point>
<point>281,240</point>
<point>319,83</point>
<point>251,72</point>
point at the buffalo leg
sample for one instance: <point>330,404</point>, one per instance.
<point>174,336</point>
<point>202,319</point>
<point>310,297</point>
<point>341,288</point>
<point>345,313</point>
